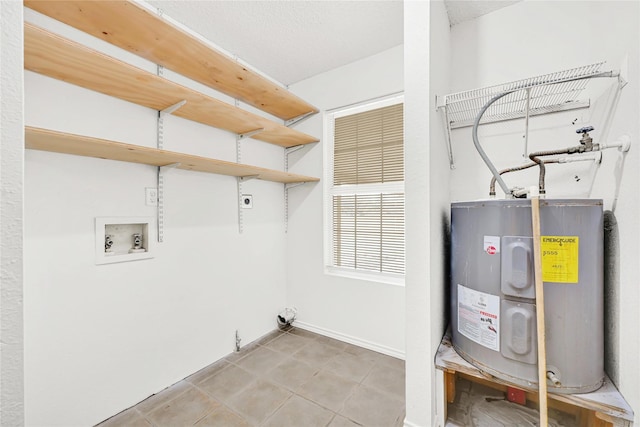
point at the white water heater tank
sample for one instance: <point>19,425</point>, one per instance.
<point>493,312</point>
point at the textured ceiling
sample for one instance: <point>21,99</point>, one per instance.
<point>291,40</point>
<point>466,10</point>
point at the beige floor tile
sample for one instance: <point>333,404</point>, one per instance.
<point>288,343</point>
<point>387,380</point>
<point>392,362</point>
<point>340,345</point>
<point>207,372</point>
<point>186,409</point>
<point>291,373</point>
<point>256,385</point>
<point>365,354</point>
<point>372,408</point>
<point>302,333</point>
<point>244,351</point>
<point>300,412</point>
<point>129,418</point>
<point>340,421</point>
<point>163,397</point>
<point>223,417</point>
<point>316,354</point>
<point>328,390</point>
<point>266,339</point>
<point>349,366</point>
<point>227,383</point>
<point>258,401</point>
<point>260,361</point>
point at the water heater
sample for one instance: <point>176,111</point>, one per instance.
<point>493,312</point>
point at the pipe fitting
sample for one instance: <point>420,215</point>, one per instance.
<point>551,376</point>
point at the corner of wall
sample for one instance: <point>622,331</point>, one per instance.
<point>11,181</point>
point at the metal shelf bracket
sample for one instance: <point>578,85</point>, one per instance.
<point>170,109</point>
<point>167,168</point>
<point>299,119</point>
<point>290,150</point>
<point>289,186</point>
<point>242,136</point>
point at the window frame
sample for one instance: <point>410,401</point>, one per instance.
<point>330,191</point>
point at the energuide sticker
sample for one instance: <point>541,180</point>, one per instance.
<point>491,245</point>
<point>479,317</point>
<point>560,258</point>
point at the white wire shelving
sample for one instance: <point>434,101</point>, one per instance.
<point>548,93</point>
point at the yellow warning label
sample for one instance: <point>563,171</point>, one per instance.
<point>559,258</point>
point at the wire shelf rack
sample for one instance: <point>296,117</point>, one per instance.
<point>542,94</point>
<point>550,92</point>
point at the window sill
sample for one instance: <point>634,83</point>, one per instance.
<point>369,276</point>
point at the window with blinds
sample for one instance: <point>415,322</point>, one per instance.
<point>366,192</point>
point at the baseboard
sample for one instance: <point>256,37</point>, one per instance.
<point>351,340</point>
<point>410,424</point>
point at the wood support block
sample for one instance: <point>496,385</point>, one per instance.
<point>450,386</point>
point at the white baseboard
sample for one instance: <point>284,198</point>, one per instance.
<point>410,424</point>
<point>351,340</point>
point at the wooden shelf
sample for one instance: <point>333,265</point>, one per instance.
<point>606,403</point>
<point>60,142</point>
<point>135,28</point>
<point>57,57</point>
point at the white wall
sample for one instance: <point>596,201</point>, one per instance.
<point>537,37</point>
<point>368,313</point>
<point>427,206</point>
<point>98,339</point>
<point>11,206</point>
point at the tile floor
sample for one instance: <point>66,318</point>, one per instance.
<point>291,378</point>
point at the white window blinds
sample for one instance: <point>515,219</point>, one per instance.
<point>367,196</point>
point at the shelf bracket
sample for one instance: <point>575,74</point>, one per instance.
<point>162,172</point>
<point>446,123</point>
<point>623,74</point>
<point>290,150</point>
<point>172,108</point>
<point>287,152</point>
<point>291,185</point>
<point>299,119</point>
<point>241,179</point>
<point>243,136</point>
<point>527,113</point>
<point>167,168</point>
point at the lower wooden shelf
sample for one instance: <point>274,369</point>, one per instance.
<point>60,142</point>
<point>604,407</point>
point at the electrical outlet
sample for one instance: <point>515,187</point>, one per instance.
<point>247,201</point>
<point>151,196</point>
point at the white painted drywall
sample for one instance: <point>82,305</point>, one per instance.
<point>537,37</point>
<point>369,313</point>
<point>427,180</point>
<point>11,224</point>
<point>100,338</point>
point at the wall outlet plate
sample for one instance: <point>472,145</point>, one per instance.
<point>151,196</point>
<point>247,201</point>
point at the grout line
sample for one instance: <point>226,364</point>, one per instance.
<point>266,420</point>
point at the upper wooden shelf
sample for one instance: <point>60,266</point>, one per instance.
<point>134,28</point>
<point>49,54</point>
<point>60,142</point>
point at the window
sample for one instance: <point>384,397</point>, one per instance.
<point>364,204</point>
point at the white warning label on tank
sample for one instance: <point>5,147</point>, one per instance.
<point>479,317</point>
